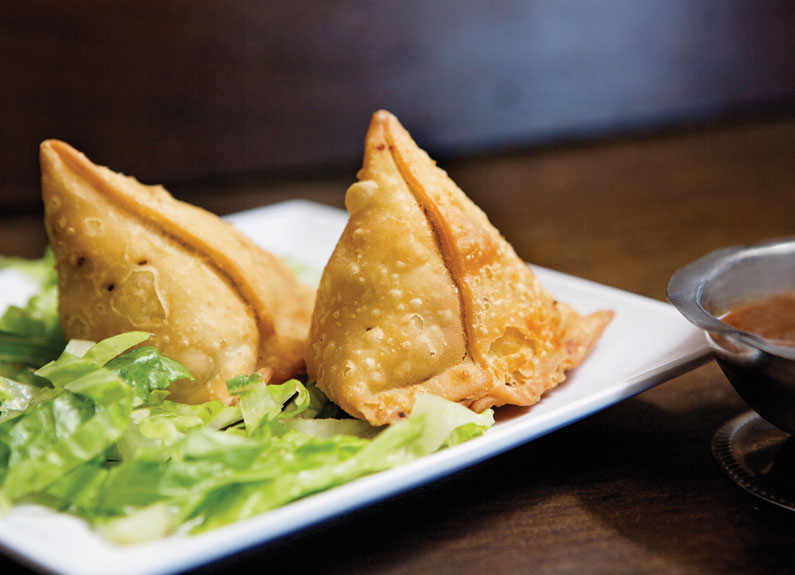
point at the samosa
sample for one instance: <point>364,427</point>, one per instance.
<point>131,257</point>
<point>423,295</point>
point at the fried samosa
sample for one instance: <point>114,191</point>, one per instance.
<point>131,257</point>
<point>423,294</point>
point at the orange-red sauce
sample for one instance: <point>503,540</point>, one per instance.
<point>772,318</point>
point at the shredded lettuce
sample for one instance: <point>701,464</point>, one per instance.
<point>31,335</point>
<point>76,420</point>
<point>104,442</point>
<point>92,432</point>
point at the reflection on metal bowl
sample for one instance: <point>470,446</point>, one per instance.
<point>762,371</point>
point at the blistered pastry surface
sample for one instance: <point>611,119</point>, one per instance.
<point>130,256</point>
<point>518,340</point>
<point>389,316</point>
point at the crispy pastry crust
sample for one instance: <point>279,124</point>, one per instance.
<point>505,339</point>
<point>131,257</point>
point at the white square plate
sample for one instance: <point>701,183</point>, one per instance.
<point>647,343</point>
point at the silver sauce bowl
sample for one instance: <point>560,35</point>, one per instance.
<point>762,372</point>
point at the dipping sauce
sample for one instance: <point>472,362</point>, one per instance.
<point>772,318</point>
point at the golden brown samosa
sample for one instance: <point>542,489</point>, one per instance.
<point>422,294</point>
<point>131,257</point>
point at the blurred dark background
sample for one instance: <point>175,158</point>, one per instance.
<point>190,91</point>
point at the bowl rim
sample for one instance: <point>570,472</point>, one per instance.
<point>686,288</point>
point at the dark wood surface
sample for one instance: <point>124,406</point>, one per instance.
<point>186,89</point>
<point>632,489</point>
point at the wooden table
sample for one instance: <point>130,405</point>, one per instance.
<point>632,489</point>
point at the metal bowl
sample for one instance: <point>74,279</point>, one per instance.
<point>762,372</point>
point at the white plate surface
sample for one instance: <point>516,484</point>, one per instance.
<point>647,343</point>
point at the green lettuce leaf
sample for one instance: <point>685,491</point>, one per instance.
<point>31,335</point>
<point>157,425</point>
<point>77,420</point>
<point>15,396</point>
<point>147,370</point>
<point>210,482</point>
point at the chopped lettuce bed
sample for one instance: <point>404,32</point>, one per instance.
<point>92,432</point>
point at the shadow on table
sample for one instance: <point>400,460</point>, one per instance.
<point>674,501</point>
